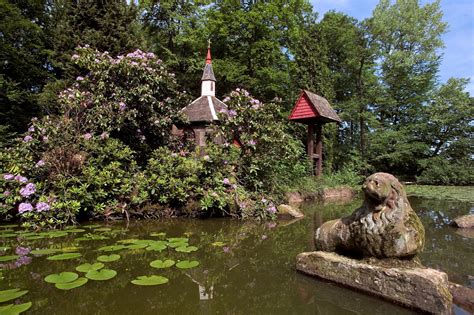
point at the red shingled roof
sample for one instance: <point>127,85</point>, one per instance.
<point>313,108</point>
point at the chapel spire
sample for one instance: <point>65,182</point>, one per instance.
<point>208,79</point>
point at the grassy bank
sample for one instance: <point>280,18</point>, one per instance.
<point>461,193</point>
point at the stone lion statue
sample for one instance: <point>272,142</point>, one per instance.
<point>385,226</point>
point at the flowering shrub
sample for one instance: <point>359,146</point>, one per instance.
<point>110,151</point>
<point>269,156</point>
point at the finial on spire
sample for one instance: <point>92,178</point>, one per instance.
<point>208,58</point>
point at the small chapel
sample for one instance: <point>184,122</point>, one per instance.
<point>201,112</point>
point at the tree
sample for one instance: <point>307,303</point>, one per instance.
<point>23,63</point>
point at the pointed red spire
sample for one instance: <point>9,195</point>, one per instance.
<point>208,58</point>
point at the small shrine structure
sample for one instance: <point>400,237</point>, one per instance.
<point>314,111</point>
<point>203,110</point>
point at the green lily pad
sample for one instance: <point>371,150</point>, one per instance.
<point>158,234</point>
<point>71,249</point>
<point>147,242</point>
<point>73,284</point>
<point>186,264</point>
<point>178,239</point>
<point>150,280</point>
<point>92,226</point>
<point>14,309</point>
<point>128,241</point>
<point>177,244</point>
<point>64,256</point>
<point>4,248</point>
<point>44,251</point>
<point>104,229</point>
<point>8,226</point>
<point>92,238</point>
<point>186,249</point>
<point>136,246</point>
<point>62,277</point>
<point>8,258</point>
<point>218,244</point>
<point>160,264</point>
<point>7,235</point>
<point>108,258</point>
<point>57,234</point>
<point>34,237</point>
<point>100,275</point>
<point>75,230</point>
<point>11,294</point>
<point>156,247</point>
<point>112,248</point>
<point>88,267</point>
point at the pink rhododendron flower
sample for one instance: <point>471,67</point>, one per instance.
<point>8,176</point>
<point>272,209</point>
<point>21,179</point>
<point>79,78</point>
<point>27,138</point>
<point>28,190</point>
<point>40,163</point>
<point>31,129</point>
<point>42,206</point>
<point>87,136</point>
<point>22,251</point>
<point>25,207</point>
<point>226,181</point>
<point>122,106</point>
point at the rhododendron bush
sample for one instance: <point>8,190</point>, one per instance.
<point>110,153</point>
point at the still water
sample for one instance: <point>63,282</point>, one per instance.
<point>244,268</point>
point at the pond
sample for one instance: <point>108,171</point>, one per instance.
<point>240,268</point>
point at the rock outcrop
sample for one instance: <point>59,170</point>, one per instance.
<point>289,212</point>
<point>402,282</point>
<point>385,226</point>
<point>465,221</point>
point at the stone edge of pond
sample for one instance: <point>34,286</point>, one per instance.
<point>334,194</point>
<point>417,288</point>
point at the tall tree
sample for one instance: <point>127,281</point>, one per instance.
<point>23,63</point>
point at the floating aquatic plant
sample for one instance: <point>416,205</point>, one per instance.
<point>136,246</point>
<point>160,264</point>
<point>158,234</point>
<point>44,251</point>
<point>64,256</point>
<point>101,275</point>
<point>186,249</point>
<point>8,257</point>
<point>63,277</point>
<point>112,248</point>
<point>150,280</point>
<point>73,284</point>
<point>88,267</point>
<point>11,294</point>
<point>13,309</point>
<point>104,229</point>
<point>178,239</point>
<point>75,230</point>
<point>108,258</point>
<point>156,247</point>
<point>186,264</point>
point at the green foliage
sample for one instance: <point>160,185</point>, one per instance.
<point>440,171</point>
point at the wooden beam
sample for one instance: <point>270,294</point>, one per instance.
<point>310,141</point>
<point>319,149</point>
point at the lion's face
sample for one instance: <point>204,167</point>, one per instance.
<point>378,186</point>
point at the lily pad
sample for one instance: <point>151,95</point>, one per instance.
<point>100,275</point>
<point>160,264</point>
<point>64,256</point>
<point>44,251</point>
<point>8,225</point>
<point>218,244</point>
<point>177,244</point>
<point>186,249</point>
<point>57,234</point>
<point>92,226</point>
<point>7,235</point>
<point>88,267</point>
<point>14,309</point>
<point>186,264</point>
<point>156,247</point>
<point>73,284</point>
<point>148,242</point>
<point>75,230</point>
<point>62,277</point>
<point>158,234</point>
<point>136,246</point>
<point>8,258</point>
<point>112,248</point>
<point>70,249</point>
<point>104,229</point>
<point>128,241</point>
<point>4,248</point>
<point>108,258</point>
<point>34,237</point>
<point>11,294</point>
<point>150,280</point>
<point>178,239</point>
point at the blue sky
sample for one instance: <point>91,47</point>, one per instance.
<point>458,59</point>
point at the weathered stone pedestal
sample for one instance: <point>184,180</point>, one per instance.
<point>400,282</point>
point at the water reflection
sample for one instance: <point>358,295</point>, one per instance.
<point>245,268</point>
